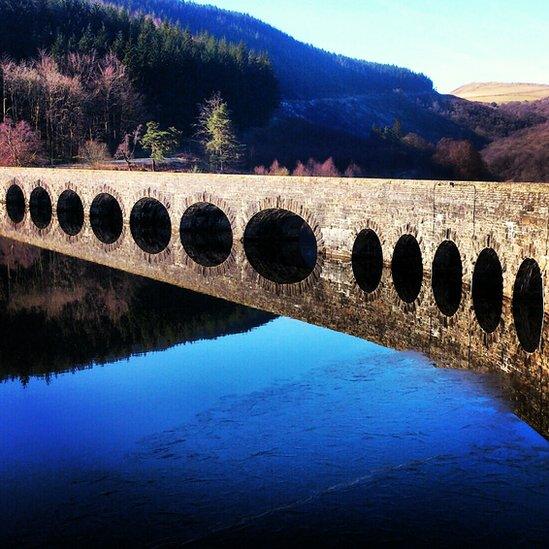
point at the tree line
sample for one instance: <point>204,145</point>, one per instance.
<point>447,158</point>
<point>86,107</point>
<point>71,99</point>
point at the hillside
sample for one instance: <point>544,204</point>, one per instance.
<point>304,72</point>
<point>174,70</point>
<point>524,154</point>
<point>343,95</point>
<point>289,100</point>
<point>321,88</point>
<point>499,92</point>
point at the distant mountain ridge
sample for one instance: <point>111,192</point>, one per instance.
<point>501,92</point>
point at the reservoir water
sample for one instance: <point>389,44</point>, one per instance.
<point>137,413</point>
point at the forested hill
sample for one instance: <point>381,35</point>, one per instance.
<point>173,69</point>
<point>304,72</point>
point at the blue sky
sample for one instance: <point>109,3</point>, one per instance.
<point>452,41</point>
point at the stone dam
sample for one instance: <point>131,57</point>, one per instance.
<point>456,270</point>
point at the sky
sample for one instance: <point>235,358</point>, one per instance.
<point>454,42</point>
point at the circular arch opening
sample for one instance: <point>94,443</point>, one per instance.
<point>528,305</point>
<point>281,246</point>
<point>206,234</point>
<point>15,203</point>
<point>488,290</point>
<point>150,225</point>
<point>106,218</point>
<point>70,212</point>
<point>407,268</point>
<point>447,277</point>
<point>367,260</point>
<point>40,207</point>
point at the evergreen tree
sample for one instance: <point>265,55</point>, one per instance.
<point>159,142</point>
<point>217,136</point>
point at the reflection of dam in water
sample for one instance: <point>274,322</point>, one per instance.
<point>453,270</point>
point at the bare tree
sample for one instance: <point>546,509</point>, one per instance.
<point>126,149</point>
<point>19,144</point>
<point>79,98</point>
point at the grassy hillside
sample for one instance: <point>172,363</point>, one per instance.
<point>499,92</point>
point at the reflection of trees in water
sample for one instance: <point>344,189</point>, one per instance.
<point>60,313</point>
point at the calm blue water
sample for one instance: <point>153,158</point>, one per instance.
<point>283,435</point>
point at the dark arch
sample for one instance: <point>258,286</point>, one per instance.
<point>280,246</point>
<point>150,225</point>
<point>528,305</point>
<point>206,234</point>
<point>488,290</point>
<point>447,276</point>
<point>15,203</point>
<point>70,212</point>
<point>40,207</point>
<point>367,260</point>
<point>407,268</point>
<point>106,218</point>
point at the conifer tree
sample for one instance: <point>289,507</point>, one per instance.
<point>217,135</point>
<point>159,142</point>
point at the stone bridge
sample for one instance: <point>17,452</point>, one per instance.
<point>454,269</point>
